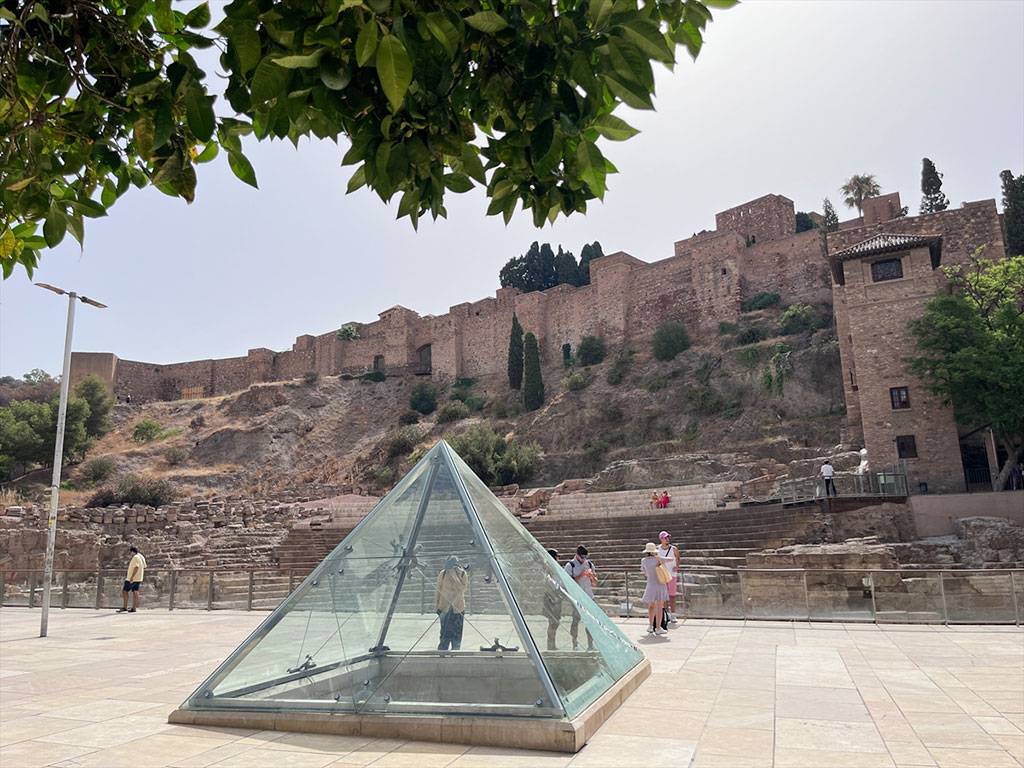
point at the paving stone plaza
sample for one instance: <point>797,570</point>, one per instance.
<point>728,694</point>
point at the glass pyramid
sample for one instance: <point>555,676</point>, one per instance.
<point>438,602</point>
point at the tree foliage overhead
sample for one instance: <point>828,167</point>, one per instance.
<point>859,188</point>
<point>933,199</point>
<point>1013,211</point>
<point>99,95</point>
<point>540,268</point>
<point>970,349</point>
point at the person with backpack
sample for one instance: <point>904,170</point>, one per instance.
<point>656,593</point>
<point>582,571</point>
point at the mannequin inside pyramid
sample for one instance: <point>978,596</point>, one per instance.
<point>451,603</point>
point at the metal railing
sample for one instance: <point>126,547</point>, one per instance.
<point>953,596</point>
<point>889,482</point>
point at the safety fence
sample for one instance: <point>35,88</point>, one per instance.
<point>938,596</point>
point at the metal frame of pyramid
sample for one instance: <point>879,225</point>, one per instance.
<point>547,722</point>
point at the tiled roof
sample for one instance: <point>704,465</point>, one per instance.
<point>884,243</point>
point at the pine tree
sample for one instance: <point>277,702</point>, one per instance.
<point>830,221</point>
<point>515,354</point>
<point>533,384</point>
<point>932,198</point>
<point>548,275</point>
<point>1013,212</point>
<point>566,270</point>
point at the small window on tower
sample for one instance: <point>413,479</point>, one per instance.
<point>906,447</point>
<point>900,398</point>
<point>887,269</point>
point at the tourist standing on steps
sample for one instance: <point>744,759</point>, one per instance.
<point>583,572</point>
<point>133,581</point>
<point>827,472</point>
<point>668,553</point>
<point>656,593</point>
<point>552,607</point>
<point>450,603</point>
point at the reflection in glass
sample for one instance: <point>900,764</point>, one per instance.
<point>439,601</point>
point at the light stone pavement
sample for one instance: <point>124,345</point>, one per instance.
<point>97,693</point>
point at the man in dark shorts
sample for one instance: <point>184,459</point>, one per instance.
<point>133,580</point>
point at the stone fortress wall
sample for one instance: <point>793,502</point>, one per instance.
<point>754,248</point>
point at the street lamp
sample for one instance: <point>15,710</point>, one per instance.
<point>58,449</point>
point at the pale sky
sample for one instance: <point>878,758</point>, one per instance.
<point>786,97</point>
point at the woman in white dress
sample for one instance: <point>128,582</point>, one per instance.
<point>655,593</point>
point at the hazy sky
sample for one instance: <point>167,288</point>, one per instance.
<point>787,97</point>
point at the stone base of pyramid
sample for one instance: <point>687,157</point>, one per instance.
<point>518,732</point>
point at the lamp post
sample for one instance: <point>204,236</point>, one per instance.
<point>58,448</point>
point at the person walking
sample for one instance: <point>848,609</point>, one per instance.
<point>668,553</point>
<point>133,581</point>
<point>656,593</point>
<point>827,473</point>
<point>582,571</point>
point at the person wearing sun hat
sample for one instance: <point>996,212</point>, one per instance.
<point>668,553</point>
<point>656,593</point>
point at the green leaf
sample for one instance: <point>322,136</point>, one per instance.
<point>20,184</point>
<point>168,171</point>
<point>598,11</point>
<point>444,32</point>
<point>198,17</point>
<point>269,82</point>
<point>614,128</point>
<point>199,110</point>
<point>109,195</point>
<point>301,62</point>
<point>592,166</point>
<point>246,42</point>
<point>55,226</point>
<point>486,21</point>
<point>724,4</point>
<point>540,140</point>
<point>163,17</point>
<point>334,74</point>
<point>394,70</point>
<point>458,182</point>
<point>631,94</point>
<point>242,168</point>
<point>366,42</point>
<point>88,208</point>
<point>9,245</point>
<point>646,36</point>
<point>471,164</point>
<point>209,152</point>
<point>76,228</point>
<point>358,179</point>
<point>143,133</point>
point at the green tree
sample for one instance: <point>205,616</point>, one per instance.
<point>515,354</point>
<point>95,393</point>
<point>859,188</point>
<point>804,222</point>
<point>423,398</point>
<point>588,254</point>
<point>97,96</point>
<point>670,338</point>
<point>496,460</point>
<point>533,382</point>
<point>1013,211</point>
<point>829,219</point>
<point>567,271</point>
<point>970,350</point>
<point>933,199</point>
<point>591,350</point>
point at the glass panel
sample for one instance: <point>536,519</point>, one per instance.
<point>976,597</point>
<point>81,589</point>
<point>269,589</point>
<point>191,589</point>
<point>839,595</point>
<point>712,595</point>
<point>774,595</point>
<point>16,587</point>
<point>1017,580</point>
<point>584,653</point>
<point>907,597</point>
<point>230,589</point>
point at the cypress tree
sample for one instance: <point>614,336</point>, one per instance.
<point>1013,212</point>
<point>515,354</point>
<point>566,270</point>
<point>933,199</point>
<point>829,223</point>
<point>533,384</point>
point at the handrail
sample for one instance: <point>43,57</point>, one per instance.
<point>904,595</point>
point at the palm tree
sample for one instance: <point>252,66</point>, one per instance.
<point>858,188</point>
